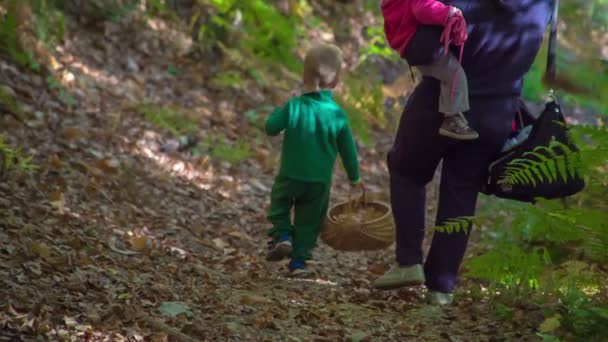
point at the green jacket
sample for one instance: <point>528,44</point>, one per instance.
<point>316,130</point>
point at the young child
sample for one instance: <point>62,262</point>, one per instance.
<point>401,21</point>
<point>316,130</point>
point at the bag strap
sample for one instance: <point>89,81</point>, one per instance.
<point>552,49</point>
<point>521,117</point>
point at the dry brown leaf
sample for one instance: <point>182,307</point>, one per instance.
<point>40,249</point>
<point>112,246</point>
<point>56,196</point>
<point>34,267</point>
<point>57,200</point>
<point>55,161</point>
<point>207,243</point>
<point>265,321</point>
<point>220,244</point>
<point>377,269</point>
<point>72,133</point>
<point>254,299</point>
<point>139,243</point>
<point>90,189</point>
<point>57,261</point>
<point>241,235</point>
<point>108,166</point>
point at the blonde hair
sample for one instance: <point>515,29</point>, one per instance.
<point>322,66</point>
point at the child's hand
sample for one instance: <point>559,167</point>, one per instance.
<point>455,30</point>
<point>360,186</point>
<point>459,27</point>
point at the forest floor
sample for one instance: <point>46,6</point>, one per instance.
<point>112,239</point>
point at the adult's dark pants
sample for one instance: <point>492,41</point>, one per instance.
<point>412,161</point>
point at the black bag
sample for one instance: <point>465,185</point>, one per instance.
<point>546,163</point>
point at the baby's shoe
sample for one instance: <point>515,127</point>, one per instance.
<point>457,127</point>
<point>279,248</point>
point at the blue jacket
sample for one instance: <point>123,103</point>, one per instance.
<point>509,32</point>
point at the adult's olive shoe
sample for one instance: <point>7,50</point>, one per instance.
<point>439,298</point>
<point>400,276</point>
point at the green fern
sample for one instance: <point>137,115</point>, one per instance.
<point>509,265</point>
<point>543,164</point>
<point>14,159</point>
<point>456,225</point>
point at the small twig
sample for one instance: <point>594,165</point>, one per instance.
<point>101,192</point>
<point>112,245</point>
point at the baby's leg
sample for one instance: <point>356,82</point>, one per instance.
<point>310,211</point>
<point>448,70</point>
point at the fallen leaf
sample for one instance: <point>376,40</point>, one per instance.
<point>72,133</point>
<point>55,161</point>
<point>70,322</point>
<point>265,320</point>
<point>139,243</point>
<point>174,309</point>
<point>220,244</point>
<point>359,336</point>
<point>231,327</point>
<point>241,235</point>
<point>550,324</point>
<point>90,188</point>
<point>112,245</point>
<point>257,184</point>
<point>57,200</point>
<point>377,269</point>
<point>108,166</point>
<point>40,249</point>
<point>253,300</point>
<point>34,267</point>
<point>82,327</point>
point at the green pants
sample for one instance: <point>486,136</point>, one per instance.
<point>310,201</point>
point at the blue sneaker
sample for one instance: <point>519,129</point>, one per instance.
<point>297,269</point>
<point>279,248</point>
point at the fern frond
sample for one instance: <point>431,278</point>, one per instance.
<point>543,162</point>
<point>508,265</point>
<point>455,225</point>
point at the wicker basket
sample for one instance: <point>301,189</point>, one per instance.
<point>375,234</point>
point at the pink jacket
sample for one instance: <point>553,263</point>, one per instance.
<point>402,17</point>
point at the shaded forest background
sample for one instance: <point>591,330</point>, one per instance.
<point>134,175</point>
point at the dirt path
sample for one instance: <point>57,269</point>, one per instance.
<point>111,239</point>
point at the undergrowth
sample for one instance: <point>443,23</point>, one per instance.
<point>14,159</point>
<point>231,152</point>
<point>590,76</point>
<point>168,118</point>
<point>363,103</point>
<point>553,252</point>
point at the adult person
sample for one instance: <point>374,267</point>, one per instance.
<point>504,37</point>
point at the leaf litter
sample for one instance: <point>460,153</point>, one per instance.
<point>114,238</point>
